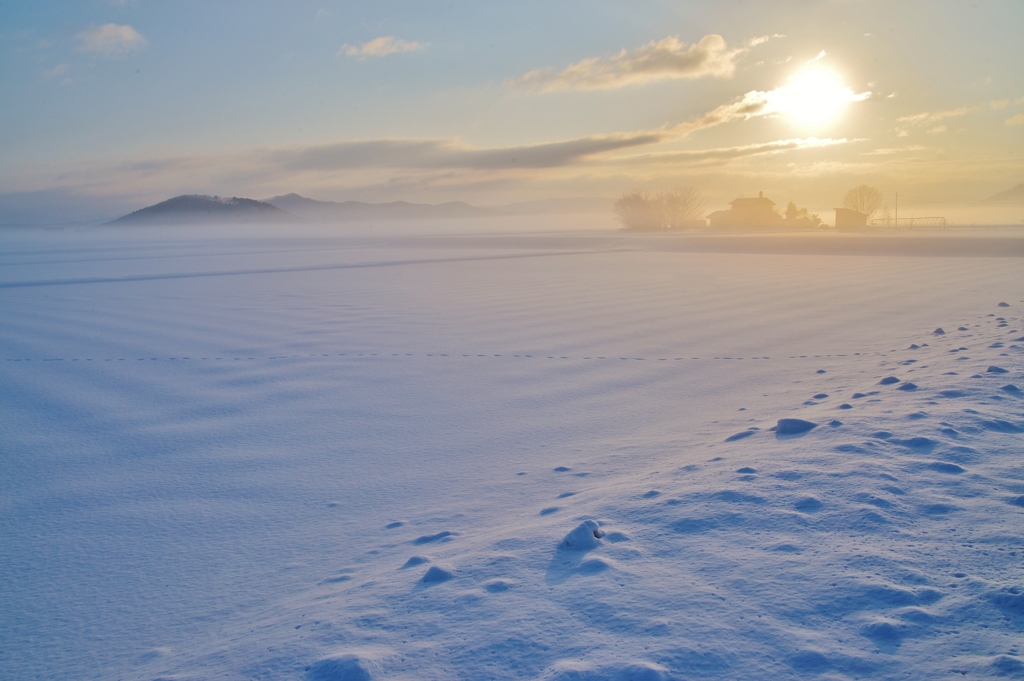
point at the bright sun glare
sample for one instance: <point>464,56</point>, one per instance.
<point>815,97</point>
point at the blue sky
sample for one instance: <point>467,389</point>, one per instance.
<point>110,105</point>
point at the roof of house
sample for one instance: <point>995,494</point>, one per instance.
<point>751,202</point>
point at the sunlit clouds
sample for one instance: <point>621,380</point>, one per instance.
<point>56,71</point>
<point>110,40</point>
<point>666,59</point>
<point>381,47</point>
<point>930,118</point>
<point>719,155</point>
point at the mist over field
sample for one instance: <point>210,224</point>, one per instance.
<point>575,342</point>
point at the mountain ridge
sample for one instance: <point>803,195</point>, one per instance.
<point>1013,194</point>
<point>295,208</point>
<point>198,208</point>
<point>313,209</point>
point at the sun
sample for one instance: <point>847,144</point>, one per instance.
<point>815,97</point>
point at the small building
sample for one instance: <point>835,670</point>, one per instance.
<point>759,212</point>
<point>850,219</point>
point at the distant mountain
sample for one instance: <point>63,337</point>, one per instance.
<point>331,211</point>
<point>197,209</point>
<point>1011,195</point>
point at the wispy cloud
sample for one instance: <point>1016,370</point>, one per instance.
<point>930,118</point>
<point>381,47</point>
<point>760,40</point>
<point>1015,120</point>
<point>729,153</point>
<point>58,70</point>
<point>895,150</point>
<point>111,40</point>
<point>397,153</point>
<point>665,59</point>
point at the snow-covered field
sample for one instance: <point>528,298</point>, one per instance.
<point>507,457</point>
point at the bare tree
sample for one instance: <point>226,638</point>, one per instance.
<point>680,206</point>
<point>863,199</point>
<point>638,210</point>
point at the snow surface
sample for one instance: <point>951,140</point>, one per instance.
<point>543,457</point>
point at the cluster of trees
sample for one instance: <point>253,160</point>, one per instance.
<point>675,209</point>
<point>799,217</point>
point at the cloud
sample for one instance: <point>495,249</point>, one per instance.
<point>760,40</point>
<point>927,118</point>
<point>1000,103</point>
<point>665,59</point>
<point>753,104</point>
<point>938,129</point>
<point>111,40</point>
<point>397,153</point>
<point>895,150</point>
<point>1015,120</point>
<point>729,153</point>
<point>58,70</point>
<point>450,153</point>
<point>381,47</point>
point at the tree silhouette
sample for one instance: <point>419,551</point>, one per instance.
<point>863,199</point>
<point>637,210</point>
<point>640,209</point>
<point>799,217</point>
<point>679,206</point>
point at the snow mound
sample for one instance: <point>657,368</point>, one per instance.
<point>345,666</point>
<point>794,426</point>
<point>436,575</point>
<point>574,670</point>
<point>443,536</point>
<point>585,537</point>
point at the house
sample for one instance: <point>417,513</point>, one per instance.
<point>850,219</point>
<point>759,212</point>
